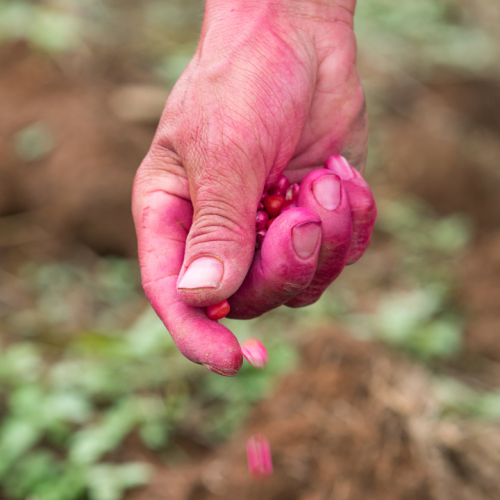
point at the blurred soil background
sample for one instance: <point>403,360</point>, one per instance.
<point>388,387</point>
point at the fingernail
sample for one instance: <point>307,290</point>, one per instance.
<point>260,238</point>
<point>326,190</point>
<point>225,373</point>
<point>305,238</point>
<point>205,272</point>
<point>340,166</point>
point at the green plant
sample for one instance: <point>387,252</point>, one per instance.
<point>70,402</point>
<point>417,311</point>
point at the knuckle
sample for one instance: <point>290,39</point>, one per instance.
<point>218,222</point>
<point>162,170</point>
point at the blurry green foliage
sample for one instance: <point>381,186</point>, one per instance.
<point>418,320</point>
<point>457,399</point>
<point>33,142</point>
<point>419,34</point>
<point>172,67</point>
<point>50,29</point>
<point>68,407</point>
<point>417,312</point>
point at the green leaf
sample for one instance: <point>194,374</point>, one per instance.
<point>154,434</point>
<point>450,234</point>
<point>34,142</point>
<point>16,438</point>
<point>173,66</point>
<point>441,339</point>
<point>90,444</point>
<point>108,482</point>
<point>55,31</point>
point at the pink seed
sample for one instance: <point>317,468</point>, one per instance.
<point>292,192</point>
<point>261,220</point>
<point>282,183</point>
<point>261,206</point>
<point>255,353</point>
<point>218,311</point>
<point>260,464</point>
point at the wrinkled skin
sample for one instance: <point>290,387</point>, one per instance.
<point>272,88</point>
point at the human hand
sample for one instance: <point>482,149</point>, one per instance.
<point>273,87</point>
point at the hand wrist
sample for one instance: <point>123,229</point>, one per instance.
<point>315,10</point>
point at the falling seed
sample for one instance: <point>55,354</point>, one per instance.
<point>255,353</point>
<point>260,464</point>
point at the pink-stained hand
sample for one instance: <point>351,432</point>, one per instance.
<point>273,88</point>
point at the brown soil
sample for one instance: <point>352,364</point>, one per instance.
<point>330,438</point>
<point>80,191</point>
<point>480,296</point>
<point>442,144</point>
<point>353,422</point>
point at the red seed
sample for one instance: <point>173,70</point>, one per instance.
<point>218,311</point>
<point>276,190</point>
<point>261,206</point>
<point>273,204</point>
<point>282,183</point>
<point>260,464</point>
<point>269,222</point>
<point>261,220</point>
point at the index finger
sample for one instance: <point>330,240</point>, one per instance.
<point>162,223</point>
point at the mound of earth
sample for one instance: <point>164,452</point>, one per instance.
<point>67,161</point>
<point>353,422</point>
<point>442,144</point>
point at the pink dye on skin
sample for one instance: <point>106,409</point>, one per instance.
<point>260,238</point>
<point>255,353</point>
<point>362,203</point>
<point>260,464</point>
<point>269,222</point>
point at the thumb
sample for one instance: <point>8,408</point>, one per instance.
<point>221,242</point>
